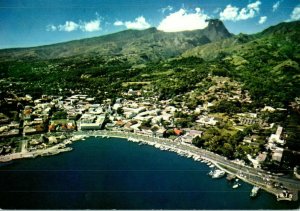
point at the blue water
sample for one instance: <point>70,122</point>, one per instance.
<point>116,174</point>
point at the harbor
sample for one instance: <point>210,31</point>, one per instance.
<point>256,177</point>
<point>111,173</point>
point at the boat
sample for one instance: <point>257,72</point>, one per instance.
<point>254,191</point>
<point>211,173</point>
<point>211,166</point>
<point>218,174</point>
<point>236,185</point>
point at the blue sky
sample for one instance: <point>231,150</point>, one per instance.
<point>26,23</point>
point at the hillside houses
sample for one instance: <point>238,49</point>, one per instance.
<point>173,118</point>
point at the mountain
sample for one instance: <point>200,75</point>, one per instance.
<point>130,45</point>
<point>280,37</point>
<point>266,63</point>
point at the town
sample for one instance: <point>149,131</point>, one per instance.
<point>46,126</point>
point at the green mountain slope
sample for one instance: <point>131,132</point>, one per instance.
<point>130,45</point>
<point>275,38</point>
<point>266,63</point>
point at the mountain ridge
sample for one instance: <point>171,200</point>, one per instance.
<point>136,45</point>
<point>235,43</point>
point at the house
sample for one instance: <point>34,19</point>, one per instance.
<point>268,109</point>
<point>190,135</point>
<point>62,125</point>
<point>207,105</point>
<point>27,113</point>
<point>177,132</point>
<point>207,120</point>
<point>279,131</point>
<point>261,157</point>
<point>277,154</point>
<point>247,140</point>
<point>52,140</point>
<point>275,138</point>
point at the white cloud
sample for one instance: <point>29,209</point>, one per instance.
<point>262,19</point>
<point>51,27</point>
<point>93,25</point>
<point>167,8</point>
<point>182,20</point>
<point>295,14</point>
<point>276,5</point>
<point>139,23</point>
<point>229,13</point>
<point>118,23</point>
<point>232,13</point>
<point>254,6</point>
<point>69,26</point>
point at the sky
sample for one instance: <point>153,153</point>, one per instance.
<point>25,23</point>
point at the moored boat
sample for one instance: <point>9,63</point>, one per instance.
<point>254,191</point>
<point>236,185</point>
<point>218,174</point>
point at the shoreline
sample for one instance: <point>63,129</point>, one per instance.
<point>204,158</point>
<point>182,149</point>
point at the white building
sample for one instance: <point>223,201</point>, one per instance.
<point>207,120</point>
<point>91,122</point>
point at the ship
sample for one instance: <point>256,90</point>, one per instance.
<point>218,174</point>
<point>254,191</point>
<point>236,184</point>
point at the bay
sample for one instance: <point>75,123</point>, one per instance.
<point>116,174</point>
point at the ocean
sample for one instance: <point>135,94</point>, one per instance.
<point>112,173</point>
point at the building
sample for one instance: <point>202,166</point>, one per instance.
<point>277,154</point>
<point>91,122</point>
<point>207,120</point>
<point>275,138</point>
<point>190,135</point>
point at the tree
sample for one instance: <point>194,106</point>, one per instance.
<point>120,111</point>
<point>198,141</point>
<point>60,115</point>
<point>146,123</point>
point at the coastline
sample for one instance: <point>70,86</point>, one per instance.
<point>182,149</point>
